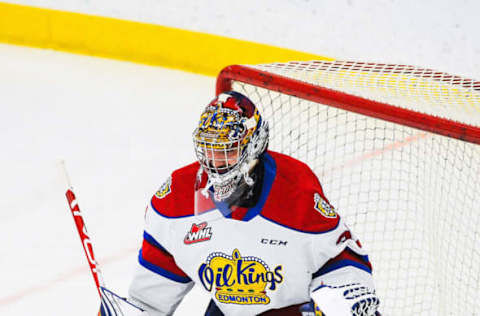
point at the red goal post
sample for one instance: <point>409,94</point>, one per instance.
<point>397,150</point>
<point>357,104</point>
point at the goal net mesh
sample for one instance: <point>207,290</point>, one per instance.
<point>411,196</point>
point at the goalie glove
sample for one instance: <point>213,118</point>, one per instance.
<point>346,300</point>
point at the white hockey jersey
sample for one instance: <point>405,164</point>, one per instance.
<point>270,256</point>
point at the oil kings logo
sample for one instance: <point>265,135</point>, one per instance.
<point>165,189</point>
<point>323,207</point>
<point>198,233</point>
<point>239,280</point>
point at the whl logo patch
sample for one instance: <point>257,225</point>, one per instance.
<point>198,233</point>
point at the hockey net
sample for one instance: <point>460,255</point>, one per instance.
<point>397,151</point>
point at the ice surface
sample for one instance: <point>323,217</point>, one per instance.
<point>121,128</point>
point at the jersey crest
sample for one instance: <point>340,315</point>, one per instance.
<point>323,207</point>
<point>239,280</point>
<point>165,189</point>
<point>198,233</point>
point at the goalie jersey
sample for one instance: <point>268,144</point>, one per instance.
<point>267,257</point>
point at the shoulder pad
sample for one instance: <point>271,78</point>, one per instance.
<point>296,199</point>
<point>294,170</point>
<point>175,198</point>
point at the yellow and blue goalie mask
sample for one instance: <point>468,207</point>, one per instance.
<point>230,134</point>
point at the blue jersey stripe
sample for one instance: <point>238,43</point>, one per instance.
<point>298,230</point>
<point>163,215</point>
<point>156,269</point>
<point>153,242</point>
<point>338,265</point>
<point>269,177</point>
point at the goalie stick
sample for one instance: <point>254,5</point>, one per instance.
<point>111,303</point>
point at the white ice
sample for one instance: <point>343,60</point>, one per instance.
<point>121,128</point>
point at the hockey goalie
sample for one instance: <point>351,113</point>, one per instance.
<point>250,226</point>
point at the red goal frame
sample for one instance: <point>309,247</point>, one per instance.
<point>350,102</point>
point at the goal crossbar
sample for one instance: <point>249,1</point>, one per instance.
<point>348,102</point>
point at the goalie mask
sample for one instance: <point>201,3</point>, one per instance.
<point>229,138</point>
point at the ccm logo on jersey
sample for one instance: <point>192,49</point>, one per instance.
<point>198,233</point>
<point>273,242</point>
<point>323,207</point>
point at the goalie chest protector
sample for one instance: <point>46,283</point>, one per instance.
<point>265,260</point>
